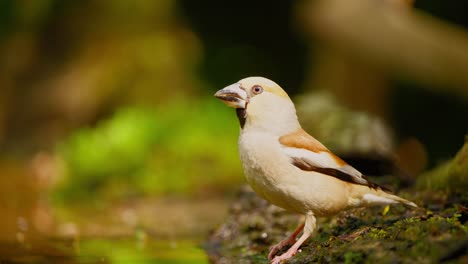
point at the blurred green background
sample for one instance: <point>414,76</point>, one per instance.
<point>106,106</point>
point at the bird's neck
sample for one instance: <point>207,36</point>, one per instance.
<point>281,123</point>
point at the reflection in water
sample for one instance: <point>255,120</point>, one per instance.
<point>147,231</point>
<point>151,251</point>
<point>115,250</point>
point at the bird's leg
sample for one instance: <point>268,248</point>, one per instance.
<point>286,242</point>
<point>310,224</point>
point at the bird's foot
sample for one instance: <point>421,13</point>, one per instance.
<point>279,259</point>
<point>278,247</point>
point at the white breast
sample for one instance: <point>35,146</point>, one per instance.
<point>269,172</point>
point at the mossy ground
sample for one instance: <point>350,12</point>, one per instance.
<point>436,232</point>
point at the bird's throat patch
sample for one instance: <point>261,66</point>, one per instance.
<point>242,116</point>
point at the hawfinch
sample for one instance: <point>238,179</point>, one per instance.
<point>290,168</point>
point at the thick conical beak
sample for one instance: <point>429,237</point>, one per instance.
<point>233,96</point>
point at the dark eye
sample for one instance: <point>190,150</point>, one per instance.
<point>257,89</point>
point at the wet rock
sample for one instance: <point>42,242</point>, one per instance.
<point>372,235</point>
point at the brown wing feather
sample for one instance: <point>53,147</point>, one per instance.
<point>301,139</point>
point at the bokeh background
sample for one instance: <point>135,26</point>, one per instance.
<point>110,137</point>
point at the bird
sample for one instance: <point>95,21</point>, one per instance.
<point>291,169</point>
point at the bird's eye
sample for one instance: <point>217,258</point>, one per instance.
<point>257,89</point>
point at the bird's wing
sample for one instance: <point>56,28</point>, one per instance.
<point>309,154</point>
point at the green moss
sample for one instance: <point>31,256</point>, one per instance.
<point>378,233</point>
<point>451,175</point>
<point>353,257</point>
<point>403,235</point>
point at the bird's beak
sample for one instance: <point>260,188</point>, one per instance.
<point>233,96</point>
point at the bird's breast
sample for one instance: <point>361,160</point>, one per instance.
<point>267,169</point>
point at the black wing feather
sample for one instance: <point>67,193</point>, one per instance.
<point>303,164</point>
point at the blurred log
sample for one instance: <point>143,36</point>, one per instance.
<point>354,84</point>
<point>410,45</point>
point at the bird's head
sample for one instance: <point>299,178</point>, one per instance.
<point>260,103</point>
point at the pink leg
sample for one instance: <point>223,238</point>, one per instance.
<point>286,242</point>
<point>309,227</point>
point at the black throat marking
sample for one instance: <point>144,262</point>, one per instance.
<point>242,116</point>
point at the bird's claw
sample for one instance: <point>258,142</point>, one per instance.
<point>277,248</point>
<point>285,256</point>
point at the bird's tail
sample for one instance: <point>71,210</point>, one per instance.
<point>400,200</point>
<point>382,197</point>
